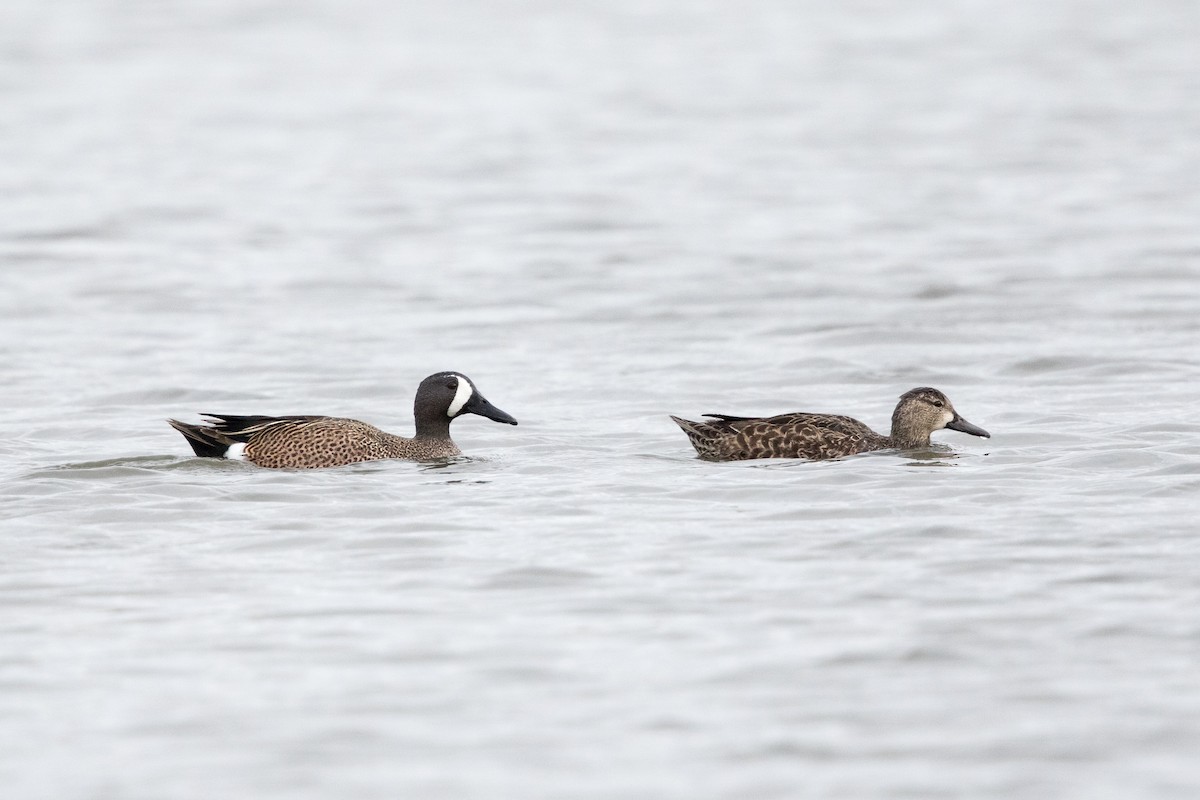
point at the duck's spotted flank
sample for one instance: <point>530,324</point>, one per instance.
<point>919,413</point>
<point>306,442</point>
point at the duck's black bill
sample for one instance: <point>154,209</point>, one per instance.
<point>960,424</point>
<point>478,404</point>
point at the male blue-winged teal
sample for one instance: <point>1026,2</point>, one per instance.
<point>919,413</point>
<point>309,442</point>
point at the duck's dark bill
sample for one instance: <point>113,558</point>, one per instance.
<point>478,404</point>
<point>960,424</point>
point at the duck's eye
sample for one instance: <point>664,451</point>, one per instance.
<point>939,403</point>
<point>451,384</point>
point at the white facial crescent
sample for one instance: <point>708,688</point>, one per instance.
<point>461,396</point>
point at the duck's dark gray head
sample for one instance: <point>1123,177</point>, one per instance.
<point>446,395</point>
<point>924,410</point>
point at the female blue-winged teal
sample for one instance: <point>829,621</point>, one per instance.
<point>308,442</point>
<point>919,413</point>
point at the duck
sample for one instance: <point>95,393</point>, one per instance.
<point>309,442</point>
<point>919,413</point>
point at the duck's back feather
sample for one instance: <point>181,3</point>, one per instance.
<point>797,435</point>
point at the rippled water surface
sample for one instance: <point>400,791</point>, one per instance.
<point>604,213</point>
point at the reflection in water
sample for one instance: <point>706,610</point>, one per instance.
<point>443,463</point>
<point>936,455</point>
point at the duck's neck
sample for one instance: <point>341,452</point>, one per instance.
<point>433,427</point>
<point>906,436</point>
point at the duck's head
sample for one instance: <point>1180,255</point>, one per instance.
<point>922,411</point>
<point>445,396</point>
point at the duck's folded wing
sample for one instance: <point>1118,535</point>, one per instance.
<point>243,427</point>
<point>731,418</point>
<point>831,423</point>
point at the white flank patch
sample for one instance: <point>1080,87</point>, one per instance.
<point>236,451</point>
<point>461,396</point>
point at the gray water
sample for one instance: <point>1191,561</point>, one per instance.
<point>604,213</point>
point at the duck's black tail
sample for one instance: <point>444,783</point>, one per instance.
<point>206,442</point>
